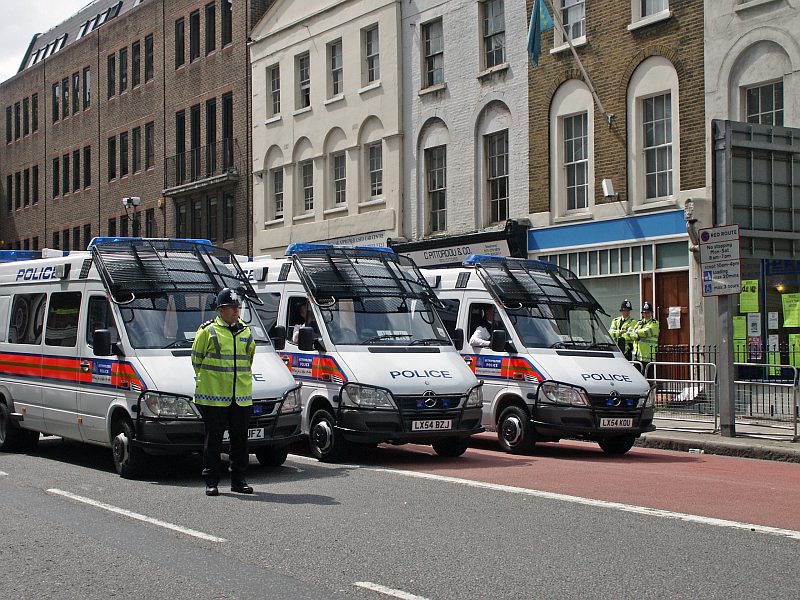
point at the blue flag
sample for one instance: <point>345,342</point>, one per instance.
<point>540,21</point>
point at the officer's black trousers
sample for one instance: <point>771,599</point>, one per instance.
<point>217,419</point>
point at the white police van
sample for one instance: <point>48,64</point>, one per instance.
<point>96,346</point>
<point>549,367</point>
<point>362,335</point>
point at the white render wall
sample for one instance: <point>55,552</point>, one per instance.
<point>469,106</point>
<point>346,122</point>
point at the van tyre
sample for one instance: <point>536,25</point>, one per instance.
<point>129,460</point>
<point>326,445</point>
<point>617,445</point>
<point>515,432</point>
<point>269,456</point>
<point>451,447</point>
<point>10,434</point>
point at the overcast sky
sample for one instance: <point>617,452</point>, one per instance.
<point>20,19</point>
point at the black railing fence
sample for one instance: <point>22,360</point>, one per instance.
<point>207,161</point>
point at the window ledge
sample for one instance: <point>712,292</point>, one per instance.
<point>302,111</point>
<point>303,217</point>
<point>335,210</point>
<point>432,89</point>
<point>571,217</point>
<point>277,221</point>
<point>650,19</point>
<point>273,119</point>
<point>374,201</point>
<point>655,204</point>
<point>486,73</point>
<point>752,4</point>
<point>370,86</point>
<point>577,42</point>
<point>334,99</point>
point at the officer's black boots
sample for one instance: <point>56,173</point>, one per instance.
<point>241,487</point>
<point>212,490</point>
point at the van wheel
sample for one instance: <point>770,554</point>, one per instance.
<point>515,431</point>
<point>269,456</point>
<point>617,445</point>
<point>325,444</point>
<point>451,447</point>
<point>9,432</point>
<point>128,459</point>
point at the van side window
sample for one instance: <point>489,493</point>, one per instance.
<point>268,312</point>
<point>27,319</point>
<point>449,315</point>
<point>62,319</point>
<point>299,314</point>
<point>100,317</point>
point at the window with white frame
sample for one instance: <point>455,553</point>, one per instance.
<point>433,53</point>
<point>375,165</point>
<point>436,182</point>
<point>303,76</point>
<point>657,146</point>
<point>372,64</point>
<point>307,184</point>
<point>274,79</point>
<point>653,7</point>
<point>576,161</point>
<point>277,192</point>
<point>764,104</point>
<point>335,72</point>
<point>497,175</point>
<point>339,178</point>
<point>494,33</point>
<point>573,17</point>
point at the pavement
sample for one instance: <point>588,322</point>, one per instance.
<point>749,442</point>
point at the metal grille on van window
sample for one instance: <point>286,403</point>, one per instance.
<point>87,264</point>
<point>284,274</point>
<point>462,280</point>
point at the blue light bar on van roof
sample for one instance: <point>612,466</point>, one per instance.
<point>138,240</point>
<point>16,255</point>
<point>299,248</point>
<point>475,259</point>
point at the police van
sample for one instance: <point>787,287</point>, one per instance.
<point>530,331</point>
<point>95,346</point>
<point>362,336</point>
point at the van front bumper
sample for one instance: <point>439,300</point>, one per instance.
<point>396,427</point>
<point>557,421</point>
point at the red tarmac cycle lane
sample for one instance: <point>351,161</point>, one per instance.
<point>738,489</point>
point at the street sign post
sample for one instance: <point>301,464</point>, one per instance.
<point>719,260</point>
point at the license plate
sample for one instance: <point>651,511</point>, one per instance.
<point>252,434</point>
<point>616,422</point>
<point>431,424</point>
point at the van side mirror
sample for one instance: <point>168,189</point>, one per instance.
<point>101,342</point>
<point>278,336</point>
<point>458,338</point>
<point>501,342</point>
<point>305,339</point>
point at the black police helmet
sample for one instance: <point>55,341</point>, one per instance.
<point>228,297</point>
<point>626,305</point>
<point>646,307</point>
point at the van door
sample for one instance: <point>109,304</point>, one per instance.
<point>96,392</point>
<point>60,364</point>
<point>487,364</point>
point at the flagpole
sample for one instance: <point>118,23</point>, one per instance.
<point>557,19</point>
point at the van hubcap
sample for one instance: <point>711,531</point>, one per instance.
<point>323,436</point>
<point>121,448</point>
<point>512,430</point>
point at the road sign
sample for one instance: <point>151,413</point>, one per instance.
<point>719,260</point>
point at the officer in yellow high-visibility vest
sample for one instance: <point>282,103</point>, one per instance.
<point>222,357</point>
<point>644,336</point>
<point>620,325</point>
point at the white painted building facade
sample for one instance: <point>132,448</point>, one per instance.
<point>327,123</point>
<point>465,114</point>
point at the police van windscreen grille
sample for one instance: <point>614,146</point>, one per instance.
<point>360,273</point>
<point>146,268</point>
<point>525,281</point>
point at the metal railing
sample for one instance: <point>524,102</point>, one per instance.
<point>686,393</point>
<point>767,397</point>
<point>205,162</point>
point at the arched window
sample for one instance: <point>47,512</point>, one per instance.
<point>757,84</point>
<point>336,168</point>
<point>272,178</point>
<point>432,153</point>
<point>494,124</point>
<point>371,143</point>
<point>304,184</point>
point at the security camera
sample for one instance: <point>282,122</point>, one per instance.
<point>608,188</point>
<point>131,201</point>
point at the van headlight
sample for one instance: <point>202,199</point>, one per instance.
<point>291,401</point>
<point>558,393</point>
<point>650,400</point>
<point>475,396</point>
<point>168,406</point>
<point>355,395</point>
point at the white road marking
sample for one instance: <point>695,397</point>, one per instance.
<point>3,474</point>
<point>381,589</point>
<point>631,508</point>
<point>137,516</point>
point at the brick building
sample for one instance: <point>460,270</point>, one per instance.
<point>645,59</point>
<point>131,98</point>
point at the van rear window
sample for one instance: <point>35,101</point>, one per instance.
<point>62,319</point>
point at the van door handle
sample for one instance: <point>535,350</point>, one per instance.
<point>86,366</point>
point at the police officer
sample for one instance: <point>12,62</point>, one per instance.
<point>644,335</point>
<point>222,357</point>
<point>620,325</point>
<point>482,336</point>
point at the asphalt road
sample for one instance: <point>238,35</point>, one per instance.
<point>402,523</point>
